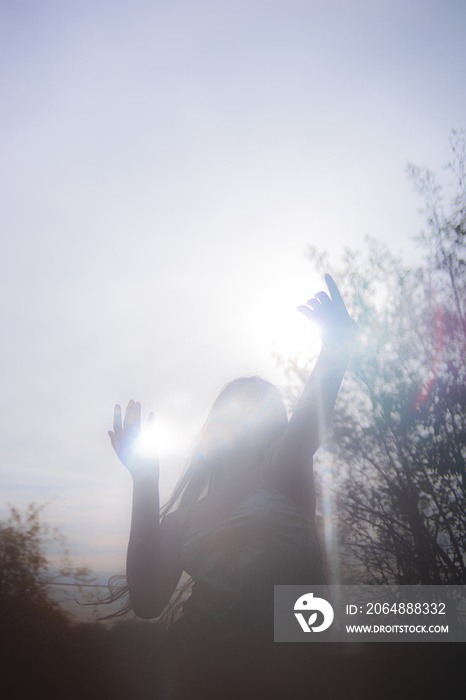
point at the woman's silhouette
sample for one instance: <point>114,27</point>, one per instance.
<point>241,520</point>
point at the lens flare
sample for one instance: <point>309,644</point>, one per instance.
<point>439,341</point>
<point>160,439</point>
<point>330,515</point>
<point>147,445</point>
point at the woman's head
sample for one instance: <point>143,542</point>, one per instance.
<point>247,415</point>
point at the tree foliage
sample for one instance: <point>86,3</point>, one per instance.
<point>26,572</point>
<point>397,450</point>
<point>44,652</point>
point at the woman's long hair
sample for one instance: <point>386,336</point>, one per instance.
<point>248,414</point>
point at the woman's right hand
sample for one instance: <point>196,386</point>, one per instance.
<point>139,459</point>
<point>329,312</point>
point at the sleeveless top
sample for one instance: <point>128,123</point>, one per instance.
<point>266,541</point>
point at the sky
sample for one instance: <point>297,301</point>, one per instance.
<point>164,167</point>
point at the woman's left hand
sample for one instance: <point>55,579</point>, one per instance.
<point>139,459</point>
<point>329,312</point>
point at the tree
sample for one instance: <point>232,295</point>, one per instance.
<point>445,239</point>
<point>44,653</point>
<point>394,468</point>
<point>26,574</point>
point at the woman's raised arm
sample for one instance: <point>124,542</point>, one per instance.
<point>311,418</point>
<point>152,569</point>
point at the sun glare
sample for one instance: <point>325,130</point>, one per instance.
<point>288,330</point>
<point>160,438</point>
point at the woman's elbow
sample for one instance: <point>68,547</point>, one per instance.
<point>146,608</point>
<point>146,614</point>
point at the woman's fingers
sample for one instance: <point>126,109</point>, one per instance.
<point>132,422</point>
<point>135,454</point>
<point>307,312</point>
<point>150,434</point>
<point>117,427</point>
<point>314,304</point>
<point>329,312</point>
<point>323,297</point>
<point>333,289</point>
<point>128,415</point>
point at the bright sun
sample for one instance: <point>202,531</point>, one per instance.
<point>160,438</point>
<point>279,323</point>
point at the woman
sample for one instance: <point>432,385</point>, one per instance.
<point>241,520</point>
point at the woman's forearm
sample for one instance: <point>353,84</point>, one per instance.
<point>143,563</point>
<point>312,415</point>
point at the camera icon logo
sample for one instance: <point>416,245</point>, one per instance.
<point>312,605</point>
